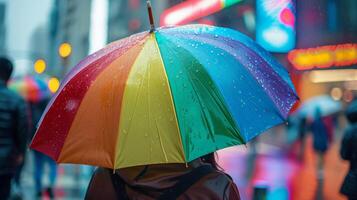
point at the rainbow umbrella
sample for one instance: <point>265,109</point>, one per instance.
<point>169,95</point>
<point>32,89</point>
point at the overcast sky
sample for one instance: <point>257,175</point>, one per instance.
<point>22,18</point>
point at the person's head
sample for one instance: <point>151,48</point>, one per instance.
<point>5,69</point>
<point>211,159</point>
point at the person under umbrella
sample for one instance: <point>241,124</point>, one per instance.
<point>167,96</point>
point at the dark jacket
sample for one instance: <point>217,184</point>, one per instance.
<point>13,129</point>
<point>320,135</point>
<point>349,152</point>
<point>150,183</point>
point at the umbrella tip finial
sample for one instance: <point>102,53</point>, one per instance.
<point>151,17</point>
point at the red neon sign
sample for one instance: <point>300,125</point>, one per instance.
<point>189,11</point>
<point>324,56</point>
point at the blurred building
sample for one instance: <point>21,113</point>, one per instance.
<point>69,22</point>
<point>40,40</point>
<point>2,28</point>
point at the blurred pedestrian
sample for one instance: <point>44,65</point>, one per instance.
<point>349,152</point>
<point>320,145</point>
<point>13,130</point>
<point>330,122</point>
<point>41,159</point>
<point>200,179</point>
<point>320,137</point>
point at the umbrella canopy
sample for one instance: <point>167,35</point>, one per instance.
<point>32,89</point>
<point>167,96</point>
<point>325,104</point>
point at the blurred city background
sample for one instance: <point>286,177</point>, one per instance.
<point>316,40</point>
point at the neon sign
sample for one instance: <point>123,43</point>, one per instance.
<point>276,25</point>
<point>324,57</point>
<point>192,10</point>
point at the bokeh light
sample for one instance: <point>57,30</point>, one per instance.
<point>65,50</point>
<point>324,56</point>
<point>336,93</point>
<point>39,66</point>
<point>53,84</point>
<point>348,96</point>
<point>287,17</point>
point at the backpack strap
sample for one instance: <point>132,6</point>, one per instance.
<point>185,182</point>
